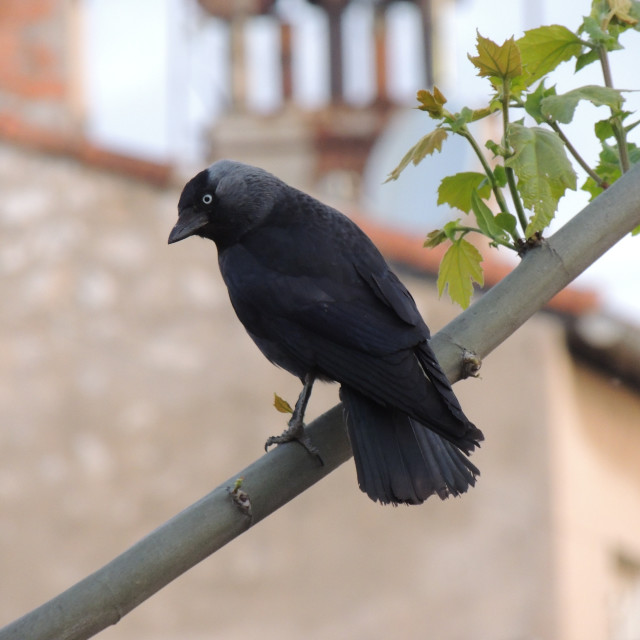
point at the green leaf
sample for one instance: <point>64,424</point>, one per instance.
<point>604,130</point>
<point>592,25</point>
<point>457,190</point>
<point>459,121</point>
<point>633,125</point>
<point>543,170</point>
<point>478,114</point>
<point>427,145</point>
<point>507,222</point>
<point>592,188</point>
<point>281,404</point>
<point>544,48</point>
<point>485,219</point>
<point>459,269</point>
<point>432,103</point>
<point>587,58</point>
<point>451,229</point>
<point>562,107</point>
<point>533,102</point>
<point>497,61</point>
<point>608,168</point>
<point>608,157</point>
<point>633,152</point>
<point>434,238</point>
<point>518,86</point>
<point>495,148</point>
<point>636,231</point>
<point>500,175</point>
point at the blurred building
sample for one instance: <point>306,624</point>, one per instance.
<point>129,389</point>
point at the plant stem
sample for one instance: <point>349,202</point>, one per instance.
<point>511,178</point>
<point>502,243</point>
<point>606,69</point>
<point>616,123</point>
<point>495,187</point>
<point>574,152</point>
<point>513,188</point>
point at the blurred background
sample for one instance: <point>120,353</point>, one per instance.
<point>129,389</point>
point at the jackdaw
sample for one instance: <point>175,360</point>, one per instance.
<point>319,300</point>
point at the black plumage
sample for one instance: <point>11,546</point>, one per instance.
<point>319,300</point>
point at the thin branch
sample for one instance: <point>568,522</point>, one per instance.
<point>616,123</point>
<point>104,597</point>
<point>575,153</point>
<point>467,229</point>
<point>511,176</point>
<point>495,187</point>
<point>513,188</point>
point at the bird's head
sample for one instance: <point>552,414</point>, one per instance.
<point>224,202</point>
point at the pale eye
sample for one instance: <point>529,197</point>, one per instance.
<point>207,198</point>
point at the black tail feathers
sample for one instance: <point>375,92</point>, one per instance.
<point>398,459</point>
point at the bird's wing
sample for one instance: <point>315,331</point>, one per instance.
<point>333,298</point>
<point>333,321</point>
<point>386,285</point>
<point>337,323</point>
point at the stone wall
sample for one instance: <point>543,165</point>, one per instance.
<point>129,390</point>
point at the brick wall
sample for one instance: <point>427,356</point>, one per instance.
<point>41,86</point>
<point>35,77</point>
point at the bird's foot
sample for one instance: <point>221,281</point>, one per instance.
<point>295,433</point>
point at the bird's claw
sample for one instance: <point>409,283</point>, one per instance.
<point>295,434</point>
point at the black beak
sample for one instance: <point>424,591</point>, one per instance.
<point>188,223</point>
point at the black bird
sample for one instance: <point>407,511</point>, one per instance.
<point>320,301</point>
